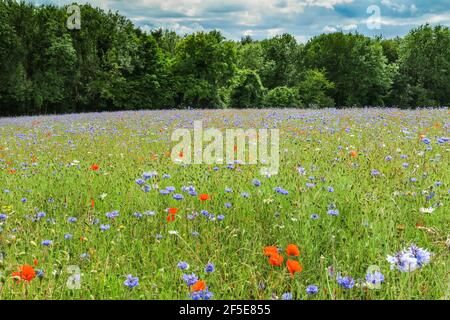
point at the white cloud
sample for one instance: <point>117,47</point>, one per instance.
<point>329,29</point>
<point>350,27</point>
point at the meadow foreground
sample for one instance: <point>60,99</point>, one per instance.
<point>93,207</point>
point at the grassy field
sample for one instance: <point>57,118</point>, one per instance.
<point>361,185</point>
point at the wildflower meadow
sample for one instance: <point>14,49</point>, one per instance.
<point>92,206</point>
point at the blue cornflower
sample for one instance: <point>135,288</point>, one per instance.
<point>281,191</point>
<point>159,236</point>
<point>375,172</point>
<point>413,179</point>
<point>333,212</point>
<point>374,278</point>
<point>310,185</point>
<point>146,188</point>
<point>105,227</point>
<point>209,268</point>
<point>201,295</point>
<point>228,190</point>
<point>166,176</point>
<point>112,215</point>
<point>6,191</point>
<point>190,279</point>
<point>256,182</point>
<point>426,141</point>
<point>330,189</point>
<point>228,205</point>
<point>72,219</point>
<point>149,175</point>
<point>312,289</point>
<point>438,183</point>
<point>164,192</point>
<point>149,213</point>
<point>195,234</point>
<point>68,236</point>
<point>405,165</point>
<point>47,243</point>
<point>245,195</point>
<point>205,213</point>
<point>220,217</point>
<point>286,296</point>
<point>140,182</point>
<point>178,196</point>
<point>137,215</point>
<point>40,273</point>
<point>345,282</point>
<point>3,217</point>
<point>170,189</point>
<point>23,200</point>
<point>314,216</point>
<point>183,265</point>
<point>84,256</point>
<point>131,281</point>
<point>388,158</point>
<point>40,215</point>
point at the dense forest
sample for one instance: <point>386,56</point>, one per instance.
<point>109,64</point>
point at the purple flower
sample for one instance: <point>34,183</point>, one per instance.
<point>105,227</point>
<point>72,219</point>
<point>220,217</point>
<point>68,236</point>
<point>209,268</point>
<point>256,182</point>
<point>183,265</point>
<point>140,182</point>
<point>345,282</point>
<point>112,215</point>
<point>375,278</point>
<point>281,191</point>
<point>190,279</point>
<point>47,243</point>
<point>286,296</point>
<point>312,289</point>
<point>333,212</point>
<point>131,281</point>
<point>178,197</point>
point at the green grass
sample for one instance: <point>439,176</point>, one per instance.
<point>378,215</point>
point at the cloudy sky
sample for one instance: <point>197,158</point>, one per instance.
<point>266,18</point>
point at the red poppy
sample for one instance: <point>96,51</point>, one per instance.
<point>12,171</point>
<point>92,203</point>
<point>173,211</point>
<point>268,251</point>
<point>170,218</point>
<point>35,262</point>
<point>26,273</point>
<point>293,267</point>
<point>292,250</point>
<point>203,197</point>
<point>353,153</point>
<point>276,260</point>
<point>200,285</point>
<point>95,167</point>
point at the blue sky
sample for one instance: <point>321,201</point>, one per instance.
<point>267,18</point>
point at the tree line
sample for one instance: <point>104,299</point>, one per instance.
<point>109,64</point>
